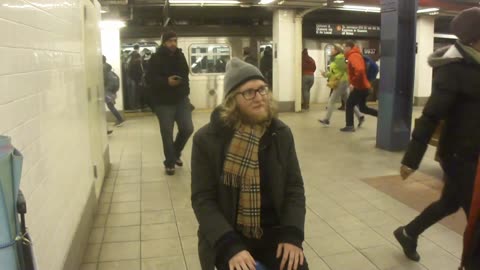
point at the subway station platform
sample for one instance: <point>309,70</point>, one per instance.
<point>355,200</point>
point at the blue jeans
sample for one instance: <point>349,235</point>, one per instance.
<point>168,115</point>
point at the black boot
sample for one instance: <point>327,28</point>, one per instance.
<point>408,244</point>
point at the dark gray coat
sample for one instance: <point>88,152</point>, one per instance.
<point>215,204</point>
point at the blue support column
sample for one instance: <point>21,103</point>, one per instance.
<point>398,48</point>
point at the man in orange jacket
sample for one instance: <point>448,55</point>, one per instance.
<point>359,85</point>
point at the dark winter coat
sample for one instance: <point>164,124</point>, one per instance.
<point>215,204</point>
<point>164,64</point>
<point>456,99</point>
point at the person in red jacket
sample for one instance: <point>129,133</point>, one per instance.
<point>359,85</point>
<point>308,69</point>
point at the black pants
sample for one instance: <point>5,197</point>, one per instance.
<point>265,252</point>
<point>457,192</point>
<point>358,97</point>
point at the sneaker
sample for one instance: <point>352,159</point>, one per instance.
<point>109,132</point>
<point>360,121</point>
<point>348,129</point>
<point>170,171</point>
<point>119,124</point>
<point>179,163</point>
<point>324,122</point>
<point>341,108</point>
<point>408,244</point>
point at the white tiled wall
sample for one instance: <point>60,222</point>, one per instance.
<point>44,108</point>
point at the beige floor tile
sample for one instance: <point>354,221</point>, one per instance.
<point>100,221</point>
<point>329,245</point>
<point>129,219</point>
<point>149,206</point>
<point>122,234</point>
<point>164,263</point>
<point>92,253</point>
<point>349,261</point>
<point>159,231</point>
<point>448,240</point>
<point>316,264</point>
<point>126,196</point>
<point>346,224</point>
<point>125,207</point>
<point>120,265</point>
<point>122,188</point>
<point>88,266</point>
<point>103,209</point>
<point>190,245</point>
<point>133,172</point>
<point>435,257</point>
<point>364,238</point>
<point>128,179</point>
<point>106,197</point>
<point>193,262</point>
<point>120,251</point>
<point>153,172</point>
<point>161,248</point>
<point>158,217</point>
<point>96,236</point>
<point>376,218</point>
<point>108,186</point>
<point>389,257</point>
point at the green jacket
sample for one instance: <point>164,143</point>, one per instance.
<point>338,68</point>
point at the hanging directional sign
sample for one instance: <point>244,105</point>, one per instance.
<point>348,30</point>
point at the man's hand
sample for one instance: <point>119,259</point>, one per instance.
<point>351,87</point>
<point>405,172</point>
<point>242,261</point>
<point>291,254</point>
<point>173,81</point>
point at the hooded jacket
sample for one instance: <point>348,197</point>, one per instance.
<point>357,71</point>
<point>456,100</point>
<point>338,68</point>
<point>215,204</point>
<point>162,65</point>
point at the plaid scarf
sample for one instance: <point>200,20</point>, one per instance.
<point>242,170</point>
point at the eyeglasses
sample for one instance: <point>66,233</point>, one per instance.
<point>252,93</point>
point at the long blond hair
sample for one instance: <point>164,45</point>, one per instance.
<point>230,113</point>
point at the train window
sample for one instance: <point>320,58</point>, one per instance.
<point>209,58</point>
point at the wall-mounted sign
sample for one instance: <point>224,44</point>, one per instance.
<point>348,30</point>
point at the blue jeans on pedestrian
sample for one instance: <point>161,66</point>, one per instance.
<point>168,115</point>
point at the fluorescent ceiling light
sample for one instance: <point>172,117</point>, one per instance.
<point>362,8</point>
<point>266,2</point>
<point>338,1</point>
<point>209,2</point>
<point>112,24</point>
<point>428,10</point>
<point>103,11</point>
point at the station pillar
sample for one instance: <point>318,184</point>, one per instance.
<point>398,37</point>
<point>284,59</point>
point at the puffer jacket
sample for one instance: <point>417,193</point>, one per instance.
<point>357,71</point>
<point>338,69</point>
<point>456,100</point>
<point>215,204</point>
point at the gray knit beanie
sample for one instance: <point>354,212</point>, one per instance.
<point>237,73</point>
<point>465,25</point>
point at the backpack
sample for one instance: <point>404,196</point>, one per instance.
<point>371,67</point>
<point>114,81</point>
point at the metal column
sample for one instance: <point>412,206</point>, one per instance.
<point>398,49</point>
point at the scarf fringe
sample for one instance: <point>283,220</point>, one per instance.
<point>232,180</point>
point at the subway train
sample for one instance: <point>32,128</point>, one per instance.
<point>207,57</point>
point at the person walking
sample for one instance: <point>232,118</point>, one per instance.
<point>455,100</point>
<point>247,189</point>
<point>338,81</point>
<point>359,86</point>
<point>308,79</point>
<point>111,83</point>
<point>170,89</point>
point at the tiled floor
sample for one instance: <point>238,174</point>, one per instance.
<point>145,220</point>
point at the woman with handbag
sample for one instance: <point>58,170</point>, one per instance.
<point>338,81</point>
